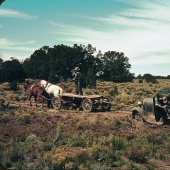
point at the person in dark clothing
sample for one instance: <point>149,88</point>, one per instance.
<point>78,81</point>
<point>163,106</point>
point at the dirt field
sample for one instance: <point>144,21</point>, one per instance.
<point>30,136</point>
<point>44,122</point>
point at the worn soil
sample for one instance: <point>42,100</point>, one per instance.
<point>45,122</point>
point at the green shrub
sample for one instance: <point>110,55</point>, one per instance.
<point>136,154</point>
<point>117,143</point>
<point>5,118</point>
<point>79,142</point>
<point>7,164</point>
<point>26,118</point>
<point>14,86</point>
<point>140,81</point>
<point>114,92</point>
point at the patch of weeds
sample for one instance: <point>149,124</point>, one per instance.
<point>136,154</point>
<point>115,122</point>
<point>151,166</point>
<point>105,117</point>
<point>19,165</point>
<point>5,118</point>
<point>32,112</point>
<point>15,97</point>
<point>117,143</point>
<point>58,132</point>
<point>82,125</point>
<point>114,92</point>
<point>26,118</point>
<point>99,166</point>
<point>118,163</point>
<point>7,164</point>
<point>79,142</point>
<point>69,165</point>
<point>12,112</point>
<point>14,86</point>
<point>162,152</point>
<point>131,166</point>
<point>15,156</point>
<point>155,139</point>
<point>22,97</point>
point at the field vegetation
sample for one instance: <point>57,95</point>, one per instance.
<point>70,139</point>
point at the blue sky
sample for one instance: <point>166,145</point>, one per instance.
<point>139,29</point>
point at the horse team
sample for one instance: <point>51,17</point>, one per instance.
<point>43,91</point>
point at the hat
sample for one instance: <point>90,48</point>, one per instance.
<point>139,103</point>
<point>164,99</point>
<point>77,68</point>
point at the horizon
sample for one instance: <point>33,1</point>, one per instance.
<point>138,29</point>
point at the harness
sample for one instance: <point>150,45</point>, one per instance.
<point>47,86</point>
<point>32,86</point>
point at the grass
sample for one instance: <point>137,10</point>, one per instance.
<point>35,138</point>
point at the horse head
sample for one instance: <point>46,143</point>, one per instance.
<point>26,85</point>
<point>43,83</point>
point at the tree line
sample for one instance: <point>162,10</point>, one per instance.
<point>52,63</point>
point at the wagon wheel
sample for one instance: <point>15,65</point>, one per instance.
<point>106,106</point>
<point>87,104</point>
<point>56,103</point>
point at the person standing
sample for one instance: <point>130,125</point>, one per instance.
<point>78,81</point>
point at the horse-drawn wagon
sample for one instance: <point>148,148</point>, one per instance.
<point>86,102</point>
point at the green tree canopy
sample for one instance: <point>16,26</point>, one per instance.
<point>61,60</point>
<point>115,67</point>
<point>149,78</point>
<point>37,66</point>
<point>12,70</point>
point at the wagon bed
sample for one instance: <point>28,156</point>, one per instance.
<point>86,102</point>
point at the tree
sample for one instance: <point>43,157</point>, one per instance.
<point>61,60</point>
<point>12,70</point>
<point>1,62</point>
<point>115,67</point>
<point>149,78</point>
<point>139,76</point>
<point>91,78</point>
<point>37,66</point>
<point>64,59</point>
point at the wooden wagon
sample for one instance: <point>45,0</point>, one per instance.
<point>86,102</point>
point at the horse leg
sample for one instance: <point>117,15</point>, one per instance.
<point>35,98</point>
<point>48,101</point>
<point>41,98</point>
<point>30,104</point>
<point>42,101</point>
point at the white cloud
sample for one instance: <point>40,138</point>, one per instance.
<point>141,33</point>
<point>15,14</point>
<point>151,60</point>
<point>19,56</point>
<point>9,44</point>
<point>16,49</point>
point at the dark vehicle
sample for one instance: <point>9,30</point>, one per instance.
<point>149,106</point>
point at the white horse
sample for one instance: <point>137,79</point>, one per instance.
<point>51,88</point>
